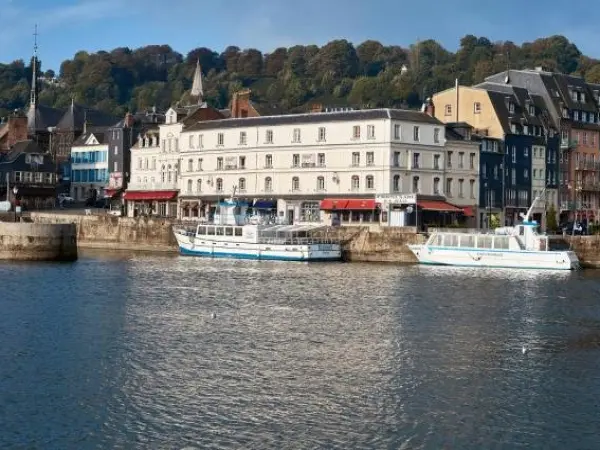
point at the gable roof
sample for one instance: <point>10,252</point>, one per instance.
<point>307,118</point>
<point>28,146</point>
<point>74,118</point>
<point>98,132</point>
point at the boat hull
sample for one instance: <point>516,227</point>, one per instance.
<point>548,260</point>
<point>260,252</point>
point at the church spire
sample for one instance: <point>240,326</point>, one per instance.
<point>197,90</point>
<point>34,71</point>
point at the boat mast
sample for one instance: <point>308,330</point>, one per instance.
<point>535,200</point>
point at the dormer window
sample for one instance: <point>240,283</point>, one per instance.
<point>582,99</point>
<point>574,96</point>
<point>511,107</point>
<point>565,113</point>
<point>531,110</point>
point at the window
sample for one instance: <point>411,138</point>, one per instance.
<point>243,138</point>
<point>356,158</point>
<point>199,186</point>
<point>219,185</point>
<point>190,165</point>
<point>295,184</point>
<point>477,108</point>
<point>355,184</point>
<point>242,162</point>
<point>585,138</point>
<point>496,174</point>
<point>531,110</point>
<point>461,160</point>
<point>189,186</point>
<point>449,160</point>
<point>370,158</point>
<point>436,185</point>
<point>176,144</point>
<point>415,185</point>
<point>164,145</point>
<point>416,133</point>
<point>370,131</point>
<point>295,160</point>
<point>436,135</point>
<point>526,152</point>
<point>268,184</point>
<point>153,163</point>
<point>220,139</point>
<point>191,141</point>
<point>514,154</point>
<point>526,174</point>
<point>269,137</point>
<point>320,183</point>
<point>321,159</point>
<point>436,162</point>
<point>397,132</point>
<point>115,166</point>
<point>449,187</point>
<point>472,188</point>
<point>416,157</point>
<point>199,166</point>
<point>242,184</point>
<point>370,182</point>
<point>356,132</point>
<point>511,107</point>
<point>472,161</point>
<point>514,176</point>
<point>397,158</point>
<point>396,183</point>
<point>200,145</point>
<point>535,174</point>
<point>461,183</point>
<point>448,110</point>
<point>296,136</point>
<point>268,161</point>
<point>322,134</point>
<point>116,150</point>
<point>219,163</point>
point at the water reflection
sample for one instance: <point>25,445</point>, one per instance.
<point>167,352</point>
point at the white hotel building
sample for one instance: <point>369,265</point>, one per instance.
<point>352,165</point>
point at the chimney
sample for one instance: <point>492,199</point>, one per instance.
<point>240,104</point>
<point>129,120</point>
<point>17,130</point>
<point>429,107</point>
<point>316,108</point>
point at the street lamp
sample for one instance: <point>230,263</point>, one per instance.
<point>15,191</point>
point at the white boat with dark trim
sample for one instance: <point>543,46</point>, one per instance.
<point>234,235</point>
<point>519,247</point>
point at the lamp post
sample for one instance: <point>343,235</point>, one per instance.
<point>15,192</point>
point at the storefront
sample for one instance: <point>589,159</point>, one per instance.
<point>413,210</point>
<point>350,211</point>
<point>151,203</point>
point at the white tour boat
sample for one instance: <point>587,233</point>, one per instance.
<point>232,235</point>
<point>519,247</point>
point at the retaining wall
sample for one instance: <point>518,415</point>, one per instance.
<point>22,241</point>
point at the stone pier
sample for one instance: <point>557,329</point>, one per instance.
<point>21,241</point>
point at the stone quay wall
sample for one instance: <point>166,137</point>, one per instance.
<point>116,233</point>
<point>587,249</point>
<point>22,241</point>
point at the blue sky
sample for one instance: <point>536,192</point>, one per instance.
<point>66,26</point>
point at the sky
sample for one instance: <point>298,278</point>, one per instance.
<point>67,26</point>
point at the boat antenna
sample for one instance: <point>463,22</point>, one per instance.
<point>535,200</point>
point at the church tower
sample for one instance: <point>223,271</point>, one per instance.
<point>197,92</point>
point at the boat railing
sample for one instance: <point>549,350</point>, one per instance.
<point>296,241</point>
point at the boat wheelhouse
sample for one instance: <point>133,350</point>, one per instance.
<point>235,235</point>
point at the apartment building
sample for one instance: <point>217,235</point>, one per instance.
<point>574,109</point>
<point>315,166</point>
<point>89,165</point>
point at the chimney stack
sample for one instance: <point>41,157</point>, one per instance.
<point>316,108</point>
<point>129,120</point>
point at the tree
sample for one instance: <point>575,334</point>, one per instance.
<point>551,220</point>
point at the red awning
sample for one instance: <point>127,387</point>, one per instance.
<point>468,211</point>
<point>437,205</point>
<point>354,204</point>
<point>150,195</point>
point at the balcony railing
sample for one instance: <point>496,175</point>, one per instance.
<point>587,166</point>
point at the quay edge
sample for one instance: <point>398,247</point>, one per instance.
<point>22,241</point>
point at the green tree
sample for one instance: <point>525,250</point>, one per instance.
<point>551,220</point>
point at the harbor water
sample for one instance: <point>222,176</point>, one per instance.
<point>165,352</point>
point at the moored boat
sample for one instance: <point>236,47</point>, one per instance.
<point>234,235</point>
<point>520,247</point>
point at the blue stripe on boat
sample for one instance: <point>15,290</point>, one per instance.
<point>250,256</point>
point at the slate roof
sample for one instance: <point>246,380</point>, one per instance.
<point>98,132</point>
<point>19,148</point>
<point>143,118</point>
<point>76,115</point>
<point>307,118</point>
<point>42,117</point>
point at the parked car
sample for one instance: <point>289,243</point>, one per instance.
<point>65,198</point>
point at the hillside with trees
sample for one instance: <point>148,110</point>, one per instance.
<point>339,73</point>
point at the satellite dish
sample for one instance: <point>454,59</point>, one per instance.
<point>409,210</point>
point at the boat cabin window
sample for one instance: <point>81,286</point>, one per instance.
<point>210,231</point>
<point>521,230</point>
<point>228,231</point>
<point>467,241</point>
<point>202,230</point>
<point>238,231</point>
<point>451,240</point>
<point>219,231</point>
<point>484,241</point>
<point>501,242</point>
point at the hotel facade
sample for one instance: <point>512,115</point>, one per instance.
<point>323,166</point>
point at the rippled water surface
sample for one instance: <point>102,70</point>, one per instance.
<point>159,352</point>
